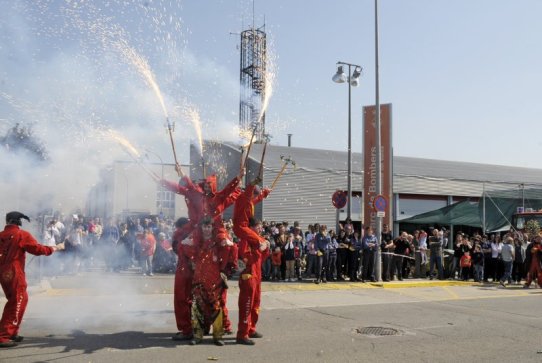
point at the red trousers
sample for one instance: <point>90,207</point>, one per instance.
<point>182,300</point>
<point>249,304</point>
<point>244,232</point>
<point>14,286</point>
<point>535,272</point>
<point>225,316</point>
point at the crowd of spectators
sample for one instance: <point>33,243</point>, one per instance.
<point>317,253</point>
<point>143,244</point>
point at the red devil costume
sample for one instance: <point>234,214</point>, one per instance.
<point>14,243</point>
<point>533,262</point>
<point>203,200</point>
<point>244,211</point>
<point>250,289</point>
<point>208,284</point>
<point>232,253</point>
<point>184,274</point>
<point>251,254</point>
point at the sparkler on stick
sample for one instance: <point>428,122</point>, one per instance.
<point>170,129</point>
<point>286,161</point>
<point>244,164</point>
<point>260,173</point>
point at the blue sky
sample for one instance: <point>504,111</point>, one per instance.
<point>463,76</point>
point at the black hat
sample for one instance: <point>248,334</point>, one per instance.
<point>15,218</point>
<point>181,222</point>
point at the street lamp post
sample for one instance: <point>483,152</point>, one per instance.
<point>378,270</point>
<point>353,80</point>
<point>161,187</point>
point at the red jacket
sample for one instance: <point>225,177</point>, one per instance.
<point>148,245</point>
<point>276,258</point>
<point>244,205</point>
<point>465,261</point>
<point>192,195</point>
<point>14,243</point>
<point>252,257</point>
<point>200,204</point>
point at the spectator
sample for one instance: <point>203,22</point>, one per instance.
<point>280,240</point>
<point>508,256</point>
<point>332,257</point>
<point>478,262</point>
<point>387,248</point>
<point>486,249</point>
<point>289,257</point>
<point>435,259</point>
<point>311,255</point>
<point>519,261</point>
<point>299,248</point>
<point>276,260</point>
<point>164,259</point>
<point>420,253</point>
<point>342,255</point>
<point>356,254</point>
<point>465,263</point>
<point>321,242</point>
<point>108,242</point>
<point>369,244</point>
<point>148,247</point>
<point>496,260</point>
<point>458,253</point>
<point>401,245</point>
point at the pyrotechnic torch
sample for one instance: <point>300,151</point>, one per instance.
<point>286,161</point>
<point>171,128</point>
<point>266,137</point>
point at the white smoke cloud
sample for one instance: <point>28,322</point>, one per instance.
<point>59,75</point>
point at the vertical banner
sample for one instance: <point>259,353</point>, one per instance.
<point>369,163</point>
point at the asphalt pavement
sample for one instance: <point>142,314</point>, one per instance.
<point>107,317</point>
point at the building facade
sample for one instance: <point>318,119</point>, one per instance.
<point>304,191</point>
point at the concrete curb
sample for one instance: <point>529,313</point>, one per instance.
<point>46,287</point>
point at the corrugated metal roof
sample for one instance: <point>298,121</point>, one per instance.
<point>304,193</point>
<point>315,159</point>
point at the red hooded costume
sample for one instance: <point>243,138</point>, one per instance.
<point>184,274</point>
<point>250,282</point>
<point>208,286</point>
<point>202,204</point>
<point>244,211</point>
<point>14,243</point>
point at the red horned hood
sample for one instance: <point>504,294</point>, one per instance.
<point>211,180</point>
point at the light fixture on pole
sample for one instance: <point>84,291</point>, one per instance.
<point>353,81</point>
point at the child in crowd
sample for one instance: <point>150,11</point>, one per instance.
<point>465,262</point>
<point>289,257</point>
<point>478,262</point>
<point>276,257</point>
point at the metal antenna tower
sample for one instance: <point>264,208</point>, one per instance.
<point>253,81</point>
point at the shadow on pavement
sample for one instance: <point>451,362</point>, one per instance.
<point>79,342</point>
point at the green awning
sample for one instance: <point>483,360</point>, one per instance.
<point>463,213</point>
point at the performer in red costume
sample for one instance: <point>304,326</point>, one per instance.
<point>250,282</point>
<point>232,253</point>
<point>14,243</point>
<point>182,291</point>
<point>208,284</point>
<point>244,210</point>
<point>533,262</point>
<point>202,199</point>
<point>251,247</point>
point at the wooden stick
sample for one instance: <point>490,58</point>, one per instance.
<point>241,157</point>
<point>279,175</point>
<point>250,144</point>
<point>260,174</point>
<point>179,172</point>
